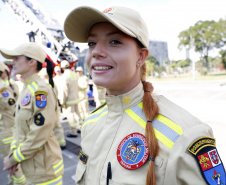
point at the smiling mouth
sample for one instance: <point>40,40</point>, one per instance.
<point>102,68</point>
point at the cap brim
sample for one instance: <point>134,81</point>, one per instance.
<point>9,54</point>
<point>78,23</point>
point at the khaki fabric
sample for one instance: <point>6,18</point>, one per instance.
<point>101,138</point>
<point>58,83</point>
<point>35,147</point>
<point>15,87</point>
<point>99,95</point>
<point>83,104</point>
<point>6,130</point>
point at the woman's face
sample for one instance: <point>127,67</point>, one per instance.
<point>20,65</point>
<point>112,59</point>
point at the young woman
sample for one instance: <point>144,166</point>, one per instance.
<point>136,138</point>
<point>7,106</point>
<point>34,145</point>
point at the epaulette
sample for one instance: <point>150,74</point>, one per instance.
<point>98,108</point>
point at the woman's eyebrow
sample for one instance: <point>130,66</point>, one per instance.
<point>108,34</point>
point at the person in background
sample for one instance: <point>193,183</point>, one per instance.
<point>19,82</point>
<point>99,95</point>
<point>58,129</point>
<point>83,86</point>
<point>69,98</point>
<point>7,121</point>
<point>34,144</point>
<point>136,137</point>
<point>9,81</point>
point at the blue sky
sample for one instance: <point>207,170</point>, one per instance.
<point>164,18</point>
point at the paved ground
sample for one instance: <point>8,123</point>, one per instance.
<point>205,99</point>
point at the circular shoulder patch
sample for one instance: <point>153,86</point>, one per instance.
<point>26,100</point>
<point>133,151</point>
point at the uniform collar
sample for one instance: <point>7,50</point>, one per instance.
<point>30,79</point>
<point>125,101</point>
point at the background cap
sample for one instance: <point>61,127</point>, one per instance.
<point>57,68</point>
<point>30,49</point>
<point>3,67</point>
<point>79,22</point>
<point>64,64</point>
<point>79,68</point>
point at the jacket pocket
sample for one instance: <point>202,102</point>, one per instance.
<point>80,171</point>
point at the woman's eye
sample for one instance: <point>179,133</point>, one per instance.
<point>115,42</point>
<point>91,44</point>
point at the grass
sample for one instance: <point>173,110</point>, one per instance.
<point>189,77</point>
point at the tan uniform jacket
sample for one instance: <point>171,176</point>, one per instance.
<point>35,147</point>
<point>58,83</point>
<point>7,106</point>
<point>83,85</point>
<point>69,95</point>
<point>14,86</point>
<point>104,129</point>
<point>99,95</point>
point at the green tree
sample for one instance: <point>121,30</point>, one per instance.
<point>223,58</point>
<point>203,36</point>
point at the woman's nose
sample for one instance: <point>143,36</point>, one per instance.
<point>99,50</point>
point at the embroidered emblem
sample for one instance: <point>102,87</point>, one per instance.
<point>4,92</point>
<point>110,11</point>
<point>11,101</point>
<point>26,100</point>
<point>82,157</point>
<point>39,119</point>
<point>133,151</point>
<point>126,100</point>
<point>205,152</point>
<point>41,99</point>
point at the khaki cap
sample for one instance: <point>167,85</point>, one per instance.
<point>79,68</point>
<point>3,67</point>
<point>30,49</point>
<point>64,64</point>
<point>78,23</point>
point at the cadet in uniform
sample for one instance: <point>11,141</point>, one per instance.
<point>9,81</point>
<point>83,85</point>
<point>34,145</point>
<point>58,129</point>
<point>69,98</point>
<point>136,138</point>
<point>7,106</point>
<point>99,95</point>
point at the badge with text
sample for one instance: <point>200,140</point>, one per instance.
<point>133,151</point>
<point>4,92</point>
<point>26,100</point>
<point>41,99</point>
<point>205,152</point>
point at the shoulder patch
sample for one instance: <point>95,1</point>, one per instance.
<point>11,101</point>
<point>205,152</point>
<point>4,92</point>
<point>99,107</point>
<point>39,119</point>
<point>26,100</point>
<point>82,157</point>
<point>41,99</point>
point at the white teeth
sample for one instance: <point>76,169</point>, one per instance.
<point>101,67</point>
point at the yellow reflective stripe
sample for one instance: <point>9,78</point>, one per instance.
<point>18,180</point>
<point>33,87</point>
<point>61,141</point>
<point>57,181</point>
<point>165,130</point>
<point>170,124</point>
<point>58,167</point>
<point>73,124</point>
<point>0,116</point>
<point>73,101</point>
<point>13,144</point>
<point>18,155</point>
<point>7,140</point>
<point>96,116</point>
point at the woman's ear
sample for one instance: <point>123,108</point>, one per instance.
<point>143,54</point>
<point>32,62</point>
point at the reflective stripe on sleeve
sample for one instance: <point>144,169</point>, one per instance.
<point>166,131</point>
<point>58,167</point>
<point>33,87</point>
<point>13,145</point>
<point>18,155</point>
<point>57,181</point>
<point>7,140</point>
<point>96,115</point>
<point>18,180</point>
<point>73,102</point>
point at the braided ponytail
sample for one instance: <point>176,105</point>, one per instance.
<point>50,69</point>
<point>151,111</point>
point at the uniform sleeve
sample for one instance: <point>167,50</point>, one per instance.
<point>83,83</point>
<point>7,100</point>
<point>182,167</point>
<point>40,128</point>
<point>63,94</point>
